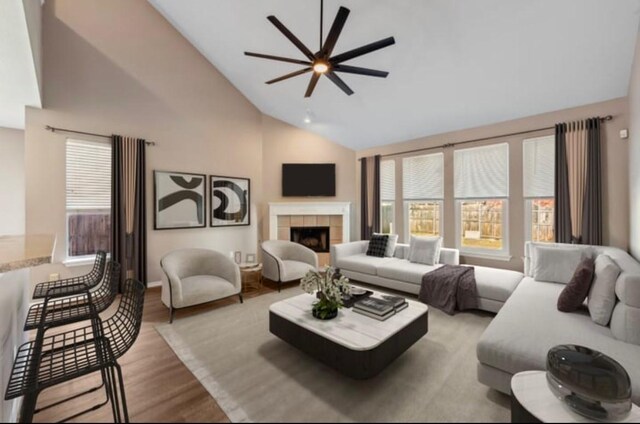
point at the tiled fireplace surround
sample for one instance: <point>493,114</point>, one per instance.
<point>335,215</point>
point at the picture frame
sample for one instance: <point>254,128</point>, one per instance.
<point>230,204</point>
<point>179,200</point>
<point>250,258</point>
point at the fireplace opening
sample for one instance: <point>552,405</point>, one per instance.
<point>315,238</point>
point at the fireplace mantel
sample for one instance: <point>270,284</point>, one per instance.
<point>310,208</point>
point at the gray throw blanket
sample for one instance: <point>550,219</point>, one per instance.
<point>450,288</point>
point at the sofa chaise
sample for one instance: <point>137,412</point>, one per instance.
<point>529,324</point>
<point>494,285</point>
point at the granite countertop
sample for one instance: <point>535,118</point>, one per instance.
<point>18,252</point>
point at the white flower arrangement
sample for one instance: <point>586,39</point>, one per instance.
<point>330,285</point>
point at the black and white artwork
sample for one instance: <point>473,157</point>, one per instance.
<point>179,200</point>
<point>230,201</point>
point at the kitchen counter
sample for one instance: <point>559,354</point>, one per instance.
<point>17,252</point>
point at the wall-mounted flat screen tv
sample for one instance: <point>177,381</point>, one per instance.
<point>308,179</point>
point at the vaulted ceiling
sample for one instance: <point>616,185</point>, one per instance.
<point>456,63</point>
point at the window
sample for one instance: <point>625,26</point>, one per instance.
<point>481,189</point>
<point>539,188</point>
<point>422,192</point>
<point>88,174</point>
<point>387,195</point>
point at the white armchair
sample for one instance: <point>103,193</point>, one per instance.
<point>195,276</point>
<point>285,261</point>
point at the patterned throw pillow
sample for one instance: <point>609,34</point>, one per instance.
<point>378,245</point>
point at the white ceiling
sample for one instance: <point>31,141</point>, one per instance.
<point>18,79</point>
<point>456,63</point>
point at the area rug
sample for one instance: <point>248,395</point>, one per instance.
<point>256,377</point>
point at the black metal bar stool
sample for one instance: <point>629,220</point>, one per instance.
<point>54,312</point>
<point>75,285</point>
<point>55,359</point>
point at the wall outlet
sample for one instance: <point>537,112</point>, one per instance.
<point>624,133</point>
<point>54,277</point>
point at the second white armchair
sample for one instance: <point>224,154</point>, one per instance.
<point>285,261</point>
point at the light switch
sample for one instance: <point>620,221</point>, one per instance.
<point>624,133</point>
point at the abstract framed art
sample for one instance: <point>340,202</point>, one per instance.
<point>230,201</point>
<point>179,200</point>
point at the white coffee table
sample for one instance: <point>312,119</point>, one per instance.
<point>531,400</point>
<point>354,344</point>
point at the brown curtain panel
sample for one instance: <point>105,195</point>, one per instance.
<point>578,215</point>
<point>128,207</point>
<point>369,196</point>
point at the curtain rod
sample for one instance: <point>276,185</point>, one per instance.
<point>54,129</point>
<point>446,145</point>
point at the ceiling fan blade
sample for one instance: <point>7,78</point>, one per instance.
<point>334,32</point>
<point>283,29</point>
<point>337,81</point>
<point>292,74</point>
<point>360,71</point>
<point>363,50</point>
<point>312,84</point>
<point>281,59</point>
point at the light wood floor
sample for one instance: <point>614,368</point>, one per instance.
<point>159,387</point>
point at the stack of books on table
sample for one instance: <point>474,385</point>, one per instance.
<point>380,308</point>
<point>398,302</point>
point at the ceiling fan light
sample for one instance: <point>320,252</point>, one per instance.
<point>320,67</point>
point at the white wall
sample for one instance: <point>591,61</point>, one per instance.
<point>12,186</point>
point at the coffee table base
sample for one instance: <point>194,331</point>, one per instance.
<point>357,364</point>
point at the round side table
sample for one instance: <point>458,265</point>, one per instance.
<point>532,401</point>
<point>251,276</point>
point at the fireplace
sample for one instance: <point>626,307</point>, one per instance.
<point>315,238</point>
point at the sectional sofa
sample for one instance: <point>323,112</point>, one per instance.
<point>529,324</point>
<point>494,285</point>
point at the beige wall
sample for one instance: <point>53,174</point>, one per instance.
<point>12,177</point>
<point>634,153</point>
<point>120,67</point>
<point>615,171</point>
<point>284,143</point>
<point>33,15</point>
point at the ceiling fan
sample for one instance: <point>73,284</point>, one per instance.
<point>321,62</point>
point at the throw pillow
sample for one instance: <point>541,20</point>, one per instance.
<point>378,245</point>
<point>557,264</point>
<point>602,296</point>
<point>576,291</point>
<point>531,247</point>
<point>425,250</point>
<point>391,245</point>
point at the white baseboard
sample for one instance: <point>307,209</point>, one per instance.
<point>154,284</point>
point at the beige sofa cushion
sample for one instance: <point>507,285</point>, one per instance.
<point>403,270</point>
<point>362,263</point>
<point>496,284</point>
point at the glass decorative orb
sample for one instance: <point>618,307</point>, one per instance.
<point>589,382</point>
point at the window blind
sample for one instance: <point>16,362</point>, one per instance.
<point>538,167</point>
<point>388,180</point>
<point>481,172</point>
<point>88,175</point>
<point>423,177</point>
